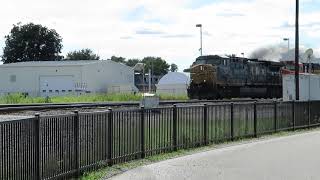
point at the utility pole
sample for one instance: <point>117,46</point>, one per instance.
<point>297,51</point>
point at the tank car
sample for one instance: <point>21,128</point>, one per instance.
<point>216,77</point>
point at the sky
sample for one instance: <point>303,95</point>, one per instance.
<point>166,28</point>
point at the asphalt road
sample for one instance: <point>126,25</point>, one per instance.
<point>294,157</point>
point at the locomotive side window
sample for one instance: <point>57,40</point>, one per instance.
<point>201,68</point>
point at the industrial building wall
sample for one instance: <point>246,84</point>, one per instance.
<point>109,76</point>
<point>33,80</point>
<point>172,89</point>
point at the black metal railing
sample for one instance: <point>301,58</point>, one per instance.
<point>63,146</point>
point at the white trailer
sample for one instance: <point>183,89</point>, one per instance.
<point>309,87</point>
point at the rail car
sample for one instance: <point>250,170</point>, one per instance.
<point>216,77</point>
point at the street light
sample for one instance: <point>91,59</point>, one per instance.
<point>287,39</point>
<point>242,55</point>
<point>200,26</point>
<point>309,54</point>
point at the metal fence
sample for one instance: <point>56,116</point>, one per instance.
<point>64,146</point>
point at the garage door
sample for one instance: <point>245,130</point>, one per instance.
<point>56,85</point>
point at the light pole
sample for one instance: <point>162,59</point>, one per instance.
<point>296,73</point>
<point>287,39</point>
<point>200,26</point>
<point>309,54</point>
<point>242,55</point>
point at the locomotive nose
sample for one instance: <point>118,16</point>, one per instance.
<point>204,73</point>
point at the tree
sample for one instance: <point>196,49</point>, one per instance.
<point>31,42</point>
<point>132,62</point>
<point>118,59</point>
<point>160,66</point>
<point>83,54</point>
<point>173,67</point>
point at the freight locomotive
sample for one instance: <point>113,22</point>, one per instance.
<point>215,77</point>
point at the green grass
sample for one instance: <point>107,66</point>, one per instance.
<point>172,97</point>
<point>17,98</point>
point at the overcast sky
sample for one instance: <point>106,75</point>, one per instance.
<point>166,28</point>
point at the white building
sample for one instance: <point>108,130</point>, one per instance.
<point>309,87</point>
<point>54,78</point>
<point>173,83</point>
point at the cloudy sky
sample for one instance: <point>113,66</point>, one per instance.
<point>166,28</point>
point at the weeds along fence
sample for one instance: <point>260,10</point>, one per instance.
<point>64,146</point>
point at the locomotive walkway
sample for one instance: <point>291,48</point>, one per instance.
<point>286,158</point>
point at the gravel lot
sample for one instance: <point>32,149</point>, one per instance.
<point>12,117</point>
<point>60,111</point>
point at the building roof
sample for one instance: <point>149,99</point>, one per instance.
<point>174,78</point>
<point>55,63</point>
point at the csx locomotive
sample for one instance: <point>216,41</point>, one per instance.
<point>215,77</point>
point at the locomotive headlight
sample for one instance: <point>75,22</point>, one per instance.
<point>204,80</point>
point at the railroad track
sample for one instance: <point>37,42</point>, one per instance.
<point>52,106</point>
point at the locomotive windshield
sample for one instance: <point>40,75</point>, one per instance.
<point>214,60</point>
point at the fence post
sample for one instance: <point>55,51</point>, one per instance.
<point>110,137</point>
<point>232,123</point>
<point>174,132</point>
<point>142,134</point>
<point>76,129</point>
<point>37,148</point>
<point>205,124</point>
<point>275,116</point>
<point>255,133</point>
<point>309,113</point>
<point>293,115</point>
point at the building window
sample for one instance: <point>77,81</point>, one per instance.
<point>13,78</point>
<point>50,91</point>
<point>44,91</point>
<point>69,90</point>
<point>57,91</point>
<point>63,90</point>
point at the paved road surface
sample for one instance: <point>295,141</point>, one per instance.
<point>287,158</point>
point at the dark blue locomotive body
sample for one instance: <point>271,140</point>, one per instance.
<point>215,77</point>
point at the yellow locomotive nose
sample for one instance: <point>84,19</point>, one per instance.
<point>203,80</point>
<point>203,73</point>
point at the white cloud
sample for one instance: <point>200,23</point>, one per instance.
<point>234,26</point>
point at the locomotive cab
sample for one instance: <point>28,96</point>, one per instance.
<point>203,78</point>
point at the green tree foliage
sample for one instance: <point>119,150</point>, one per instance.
<point>132,62</point>
<point>159,66</point>
<point>118,59</point>
<point>173,67</point>
<point>83,54</point>
<point>31,42</point>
